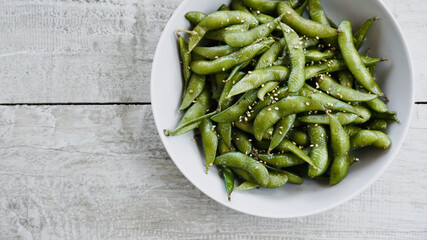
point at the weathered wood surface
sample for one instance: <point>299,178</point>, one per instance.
<point>91,172</point>
<point>101,172</point>
<point>101,51</point>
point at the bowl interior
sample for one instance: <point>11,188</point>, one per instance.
<point>394,76</point>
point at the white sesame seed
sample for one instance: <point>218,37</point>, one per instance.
<point>307,103</point>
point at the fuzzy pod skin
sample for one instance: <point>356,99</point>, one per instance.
<point>245,38</point>
<point>343,118</point>
<point>287,106</point>
<point>288,146</point>
<point>198,109</point>
<point>339,168</point>
<point>241,141</point>
<point>223,101</point>
<point>328,84</point>
<point>235,111</point>
<point>334,65</point>
<point>297,58</point>
<point>353,61</point>
<point>281,160</point>
<point>219,35</point>
<point>193,90</point>
<point>319,153</point>
<point>302,25</point>
<point>264,6</point>
<point>218,20</point>
<point>366,138</point>
<point>268,87</point>
<point>362,32</point>
<point>195,17</point>
<point>210,142</point>
<point>281,130</point>
<point>239,160</point>
<point>258,77</point>
<point>215,51</point>
<point>205,67</point>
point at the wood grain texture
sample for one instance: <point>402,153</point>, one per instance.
<point>101,172</point>
<point>101,51</point>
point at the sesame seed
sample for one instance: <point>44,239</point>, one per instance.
<point>191,91</point>
<point>307,103</point>
<point>269,109</point>
<point>276,108</point>
<point>288,12</point>
<point>188,67</point>
<point>223,69</point>
<point>311,145</point>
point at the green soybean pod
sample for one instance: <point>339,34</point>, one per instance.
<point>265,6</point>
<point>220,78</point>
<point>228,176</point>
<point>318,15</point>
<point>195,17</point>
<point>363,116</point>
<point>247,185</point>
<point>296,55</point>
<point>292,177</point>
<point>299,137</point>
<point>345,93</point>
<point>242,142</point>
<point>219,35</point>
<point>246,163</point>
<point>270,56</point>
<point>339,168</point>
<point>352,58</point>
<point>281,160</point>
<point>346,78</point>
<point>218,20</point>
<point>223,101</point>
<point>302,25</point>
<point>240,107</point>
<point>377,124</point>
<point>365,138</point>
<point>273,113</point>
<point>340,144</point>
<point>351,130</point>
<point>319,153</point>
<point>239,6</point>
<point>288,146</point>
<point>242,39</point>
<point>256,78</point>
<point>224,148</point>
<point>343,118</point>
<point>198,109</point>
<point>225,130</point>
<point>386,115</point>
<point>362,32</point>
<point>210,142</point>
<point>215,51</point>
<point>281,130</point>
<point>268,87</point>
<point>249,128</point>
<point>316,55</point>
<point>331,103</point>
<point>185,59</point>
<point>194,89</point>
<point>277,180</point>
<point>301,9</point>
<point>229,61</point>
<point>223,7</point>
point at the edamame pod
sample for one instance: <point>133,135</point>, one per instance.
<point>258,77</point>
<point>239,160</point>
<point>302,25</point>
<point>217,20</point>
<point>227,62</point>
<point>271,114</point>
<point>210,142</point>
<point>319,153</point>
<point>353,61</point>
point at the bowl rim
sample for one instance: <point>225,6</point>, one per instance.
<point>398,145</point>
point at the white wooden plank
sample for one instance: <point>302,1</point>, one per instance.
<point>101,51</point>
<point>97,172</point>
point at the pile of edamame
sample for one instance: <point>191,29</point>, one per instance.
<point>277,97</point>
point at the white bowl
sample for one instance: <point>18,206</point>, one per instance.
<point>394,76</point>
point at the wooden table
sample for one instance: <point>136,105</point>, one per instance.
<point>80,158</point>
